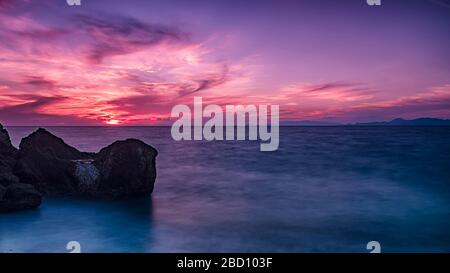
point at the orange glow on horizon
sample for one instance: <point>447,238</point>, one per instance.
<point>113,122</point>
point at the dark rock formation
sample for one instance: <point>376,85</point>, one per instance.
<point>2,192</point>
<point>123,169</point>
<point>126,168</point>
<point>19,196</point>
<point>7,158</point>
<point>13,195</point>
<point>48,163</point>
<point>5,142</point>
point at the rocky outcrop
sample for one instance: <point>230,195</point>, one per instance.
<point>19,196</point>
<point>125,168</point>
<point>13,195</point>
<point>7,158</point>
<point>5,142</point>
<point>48,163</point>
<point>132,161</point>
<point>45,164</point>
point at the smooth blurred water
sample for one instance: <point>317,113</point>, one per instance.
<point>327,189</point>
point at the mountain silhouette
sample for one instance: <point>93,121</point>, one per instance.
<point>411,122</point>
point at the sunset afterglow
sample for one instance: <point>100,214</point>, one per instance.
<point>130,66</point>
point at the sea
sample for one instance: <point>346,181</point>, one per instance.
<point>326,189</point>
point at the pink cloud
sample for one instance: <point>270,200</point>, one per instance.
<point>119,70</point>
<point>329,91</point>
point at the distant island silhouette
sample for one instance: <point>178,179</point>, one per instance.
<point>394,122</point>
<point>409,122</point>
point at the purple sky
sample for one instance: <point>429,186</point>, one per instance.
<point>129,62</point>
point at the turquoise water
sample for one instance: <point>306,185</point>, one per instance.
<point>327,189</point>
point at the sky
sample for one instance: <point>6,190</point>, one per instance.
<point>111,62</point>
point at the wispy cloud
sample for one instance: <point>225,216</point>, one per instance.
<point>102,68</point>
<point>118,35</point>
<point>328,91</point>
<point>71,68</point>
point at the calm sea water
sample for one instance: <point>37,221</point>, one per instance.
<point>327,189</point>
